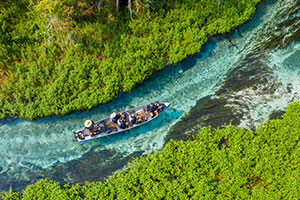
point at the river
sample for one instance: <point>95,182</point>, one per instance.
<point>245,77</point>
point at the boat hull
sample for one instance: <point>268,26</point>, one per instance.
<point>107,128</point>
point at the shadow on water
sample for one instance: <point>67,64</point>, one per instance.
<point>214,111</point>
<point>98,164</point>
<point>206,51</point>
<point>207,112</point>
<point>252,81</point>
<point>93,166</point>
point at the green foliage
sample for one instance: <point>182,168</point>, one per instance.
<point>229,163</point>
<point>10,195</point>
<point>45,189</point>
<point>62,56</point>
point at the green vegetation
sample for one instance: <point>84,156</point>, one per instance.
<point>60,56</point>
<point>230,163</point>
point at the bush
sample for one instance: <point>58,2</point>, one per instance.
<point>62,56</point>
<point>231,163</point>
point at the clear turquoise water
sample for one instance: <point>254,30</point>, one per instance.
<point>34,149</point>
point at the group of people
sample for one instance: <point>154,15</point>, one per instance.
<point>136,119</point>
<point>121,118</point>
<point>155,108</point>
<point>123,122</point>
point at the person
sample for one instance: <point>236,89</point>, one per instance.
<point>101,127</point>
<point>98,130</point>
<point>161,108</point>
<point>123,117</point>
<point>114,117</point>
<point>132,118</point>
<point>121,123</point>
<point>151,108</point>
<point>93,133</point>
<point>157,104</point>
<point>140,119</point>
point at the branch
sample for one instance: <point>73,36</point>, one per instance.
<point>99,5</point>
<point>129,7</point>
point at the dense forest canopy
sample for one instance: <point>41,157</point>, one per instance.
<point>58,56</point>
<point>230,163</point>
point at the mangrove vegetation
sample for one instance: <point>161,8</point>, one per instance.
<point>58,56</point>
<point>229,163</point>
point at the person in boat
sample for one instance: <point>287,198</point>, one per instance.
<point>155,112</point>
<point>98,130</point>
<point>157,104</point>
<point>132,118</point>
<point>140,119</point>
<point>101,128</point>
<point>151,108</point>
<point>123,116</point>
<point>121,123</point>
<point>161,107</point>
<point>114,117</point>
<point>93,134</point>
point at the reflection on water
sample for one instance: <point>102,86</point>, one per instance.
<point>208,80</point>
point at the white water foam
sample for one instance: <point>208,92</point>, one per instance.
<point>259,104</point>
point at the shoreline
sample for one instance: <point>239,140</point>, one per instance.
<point>40,91</point>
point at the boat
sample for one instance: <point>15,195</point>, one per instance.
<point>111,125</point>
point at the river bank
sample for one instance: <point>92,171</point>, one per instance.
<point>60,62</point>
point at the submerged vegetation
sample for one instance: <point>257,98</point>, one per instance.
<point>60,56</point>
<point>231,163</point>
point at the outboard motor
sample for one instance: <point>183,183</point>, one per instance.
<point>79,135</point>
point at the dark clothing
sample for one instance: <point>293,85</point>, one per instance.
<point>132,119</point>
<point>151,107</point>
<point>161,107</point>
<point>140,120</point>
<point>121,123</point>
<point>115,119</point>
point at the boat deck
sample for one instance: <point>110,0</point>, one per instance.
<point>106,127</point>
